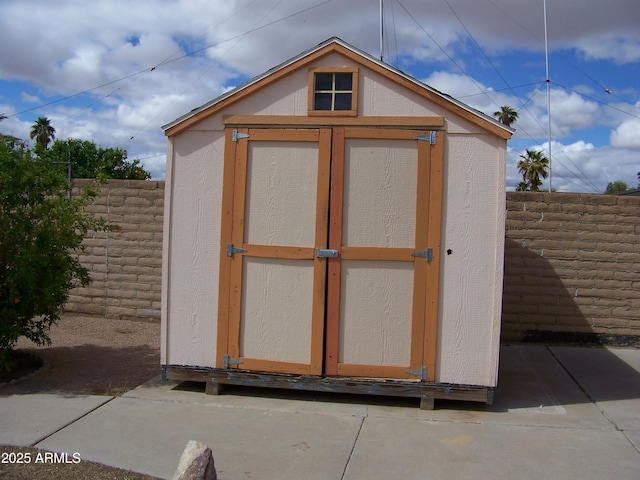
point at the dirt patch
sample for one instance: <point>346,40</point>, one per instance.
<point>92,356</point>
<point>87,356</point>
<point>82,470</point>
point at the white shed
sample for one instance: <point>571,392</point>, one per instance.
<point>334,224</point>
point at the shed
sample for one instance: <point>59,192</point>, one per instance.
<point>335,224</point>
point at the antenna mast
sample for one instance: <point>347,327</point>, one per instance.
<point>381,31</point>
<point>546,57</point>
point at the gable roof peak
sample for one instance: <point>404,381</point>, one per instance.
<point>330,45</point>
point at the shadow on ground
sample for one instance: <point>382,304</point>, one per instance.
<point>539,310</point>
<point>88,370</point>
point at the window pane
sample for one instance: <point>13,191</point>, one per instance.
<point>322,101</point>
<point>343,101</point>
<point>324,81</point>
<point>343,81</point>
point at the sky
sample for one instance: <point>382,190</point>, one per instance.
<point>114,71</point>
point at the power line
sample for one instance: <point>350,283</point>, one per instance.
<point>524,27</point>
<point>169,60</point>
<point>243,34</point>
<point>587,180</point>
<point>523,106</point>
<point>83,92</point>
<point>239,39</point>
<point>597,101</point>
<point>495,90</point>
<point>482,91</point>
<point>445,52</point>
<point>237,12</point>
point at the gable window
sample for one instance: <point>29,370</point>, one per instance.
<point>333,91</point>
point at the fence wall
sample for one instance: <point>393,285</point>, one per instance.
<point>572,264</point>
<point>126,266</point>
<point>572,261</point>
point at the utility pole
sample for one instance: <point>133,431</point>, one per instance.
<point>546,57</point>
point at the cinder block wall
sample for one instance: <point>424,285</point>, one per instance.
<point>572,261</point>
<point>126,266</point>
<point>572,264</point>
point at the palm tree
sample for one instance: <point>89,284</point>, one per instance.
<point>43,132</point>
<point>533,166</point>
<point>506,115</point>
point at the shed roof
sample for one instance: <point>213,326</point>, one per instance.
<point>329,46</point>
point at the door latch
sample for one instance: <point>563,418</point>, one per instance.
<point>326,253</point>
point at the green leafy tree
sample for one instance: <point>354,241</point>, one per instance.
<point>43,133</point>
<point>533,166</point>
<point>90,161</point>
<point>506,115</point>
<point>41,233</point>
<point>615,187</point>
<point>8,138</point>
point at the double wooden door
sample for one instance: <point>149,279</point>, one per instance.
<point>330,251</point>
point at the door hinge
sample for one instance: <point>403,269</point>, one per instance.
<point>431,137</point>
<point>235,135</point>
<point>227,361</point>
<point>231,250</point>
<point>427,254</point>
<point>326,253</point>
<point>422,373</point>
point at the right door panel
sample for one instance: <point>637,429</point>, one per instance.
<point>385,213</point>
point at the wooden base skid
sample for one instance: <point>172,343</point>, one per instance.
<point>215,380</point>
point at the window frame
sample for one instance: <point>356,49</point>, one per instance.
<point>352,112</point>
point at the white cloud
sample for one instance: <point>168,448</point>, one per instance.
<point>470,91</point>
<point>570,111</point>
<point>26,98</point>
<point>458,86</point>
<point>620,50</point>
<point>627,135</point>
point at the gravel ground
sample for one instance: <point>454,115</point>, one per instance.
<point>93,356</point>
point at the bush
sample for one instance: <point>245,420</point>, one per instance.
<point>41,232</point>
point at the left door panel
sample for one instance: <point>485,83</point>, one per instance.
<point>273,317</point>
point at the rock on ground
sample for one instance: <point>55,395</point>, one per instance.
<point>196,463</point>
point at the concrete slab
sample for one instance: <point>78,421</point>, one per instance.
<point>149,436</point>
<point>541,425</point>
<point>410,449</point>
<point>634,438</point>
<point>251,397</point>
<point>610,377</point>
<point>27,419</point>
<point>533,389</point>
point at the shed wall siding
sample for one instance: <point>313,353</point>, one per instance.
<point>193,238</point>
<point>471,276</point>
<point>469,302</point>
